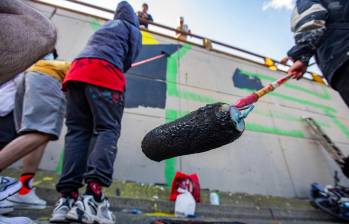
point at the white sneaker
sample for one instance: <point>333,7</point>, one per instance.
<point>88,211</point>
<point>63,206</point>
<point>8,186</point>
<point>27,201</point>
<point>15,220</point>
<point>6,207</point>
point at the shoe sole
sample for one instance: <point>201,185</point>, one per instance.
<point>72,218</point>
<point>59,221</point>
<point>4,211</point>
<point>105,222</point>
<point>74,221</point>
<point>10,191</point>
<point>23,205</point>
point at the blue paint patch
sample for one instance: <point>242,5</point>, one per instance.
<point>244,81</point>
<point>146,84</point>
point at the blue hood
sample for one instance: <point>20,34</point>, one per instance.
<point>118,41</point>
<point>124,11</point>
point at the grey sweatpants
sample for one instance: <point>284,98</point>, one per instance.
<point>25,37</point>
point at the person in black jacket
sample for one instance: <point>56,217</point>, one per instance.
<point>321,29</point>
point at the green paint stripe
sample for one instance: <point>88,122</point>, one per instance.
<point>174,114</point>
<point>304,102</point>
<point>59,166</point>
<point>171,78</point>
<point>325,94</point>
<point>195,97</point>
<point>170,170</point>
<point>288,117</point>
<point>172,70</point>
<point>325,108</point>
<point>344,129</point>
<point>271,130</point>
<point>95,24</point>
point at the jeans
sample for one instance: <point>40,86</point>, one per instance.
<point>94,121</point>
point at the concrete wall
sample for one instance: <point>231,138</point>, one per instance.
<point>277,155</point>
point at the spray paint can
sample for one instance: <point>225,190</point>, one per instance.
<point>214,198</point>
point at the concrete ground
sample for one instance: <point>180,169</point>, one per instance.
<point>152,202</point>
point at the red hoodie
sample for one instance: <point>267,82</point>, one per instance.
<point>96,72</point>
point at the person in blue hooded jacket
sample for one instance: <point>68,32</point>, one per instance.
<point>95,86</point>
<point>321,29</point>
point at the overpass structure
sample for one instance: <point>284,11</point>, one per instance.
<point>277,155</point>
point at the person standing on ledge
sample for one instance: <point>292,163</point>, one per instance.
<point>182,28</point>
<point>321,29</point>
<point>144,15</point>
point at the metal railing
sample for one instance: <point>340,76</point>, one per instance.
<point>203,42</point>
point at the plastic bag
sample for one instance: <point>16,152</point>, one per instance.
<point>185,204</point>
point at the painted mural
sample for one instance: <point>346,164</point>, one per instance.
<point>276,156</point>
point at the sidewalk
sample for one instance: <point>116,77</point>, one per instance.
<point>151,201</point>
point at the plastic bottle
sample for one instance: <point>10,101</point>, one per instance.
<point>214,198</point>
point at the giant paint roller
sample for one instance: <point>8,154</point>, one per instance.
<point>207,128</point>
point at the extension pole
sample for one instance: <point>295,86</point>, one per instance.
<point>148,60</point>
<point>252,98</point>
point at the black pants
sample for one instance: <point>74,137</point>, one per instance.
<point>341,82</point>
<point>7,130</point>
<point>93,121</point>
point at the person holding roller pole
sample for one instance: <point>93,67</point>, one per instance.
<point>95,88</point>
<point>321,29</point>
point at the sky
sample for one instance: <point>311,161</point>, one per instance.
<point>261,26</point>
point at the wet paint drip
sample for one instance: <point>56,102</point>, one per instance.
<point>207,128</point>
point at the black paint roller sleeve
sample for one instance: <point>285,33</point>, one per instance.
<point>207,128</point>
